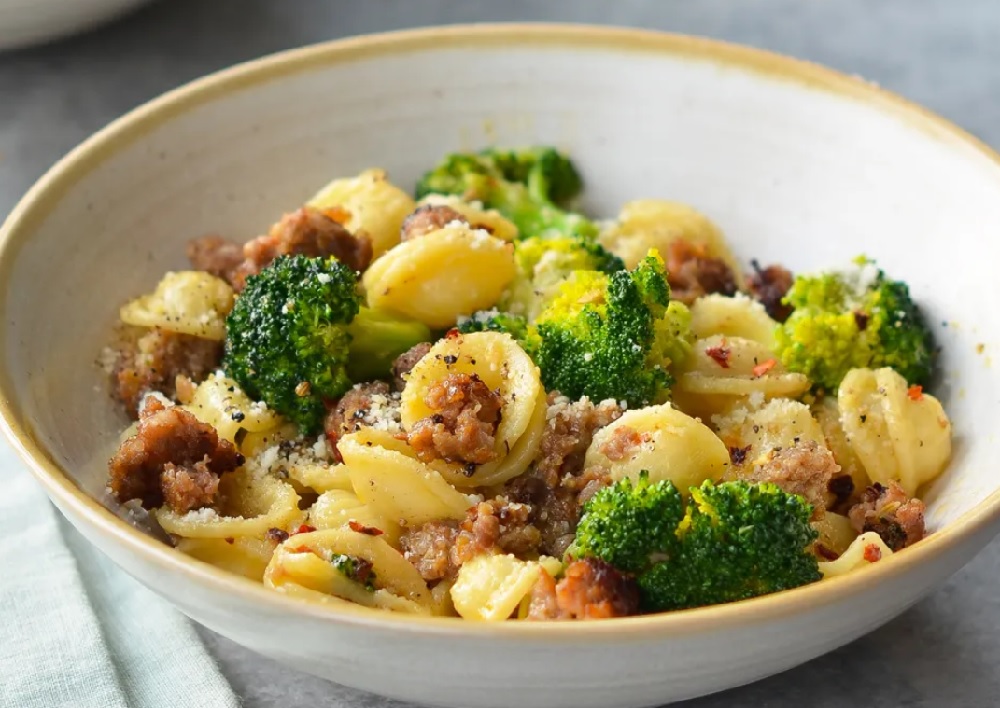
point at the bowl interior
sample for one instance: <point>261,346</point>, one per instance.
<point>808,173</point>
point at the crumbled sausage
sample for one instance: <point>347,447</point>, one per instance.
<point>154,361</point>
<point>769,286</point>
<point>405,362</point>
<point>888,511</point>
<point>427,218</point>
<point>569,429</point>
<point>307,232</point>
<point>623,443</point>
<point>805,468</point>
<point>463,425</point>
<point>437,549</point>
<point>173,458</point>
<point>589,589</point>
<point>216,255</point>
<point>692,273</point>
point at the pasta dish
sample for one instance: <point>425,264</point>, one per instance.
<point>474,400</point>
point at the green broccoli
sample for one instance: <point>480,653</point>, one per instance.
<point>519,184</point>
<point>377,338</point>
<point>356,569</point>
<point>298,330</point>
<point>852,319</point>
<point>734,541</point>
<point>543,264</point>
<point>495,321</point>
<point>612,335</point>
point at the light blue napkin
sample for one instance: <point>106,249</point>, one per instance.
<point>77,631</point>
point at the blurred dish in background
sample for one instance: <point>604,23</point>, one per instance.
<point>27,22</point>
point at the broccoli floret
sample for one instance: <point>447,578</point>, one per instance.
<point>495,321</point>
<point>602,335</point>
<point>630,526</point>
<point>734,540</point>
<point>854,319</point>
<point>525,197</point>
<point>286,337</point>
<point>355,569</point>
<point>737,540</point>
<point>377,338</point>
<point>547,173</point>
<point>543,264</point>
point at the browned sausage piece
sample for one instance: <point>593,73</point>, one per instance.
<point>623,443</point>
<point>768,286</point>
<point>406,361</point>
<point>692,273</point>
<point>216,255</point>
<point>154,361</point>
<point>427,218</point>
<point>589,589</point>
<point>888,511</point>
<point>173,458</point>
<point>430,549</point>
<point>805,469</point>
<point>464,423</point>
<point>307,232</point>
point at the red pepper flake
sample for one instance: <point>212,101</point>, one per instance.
<point>276,535</point>
<point>873,554</point>
<point>230,540</point>
<point>361,528</point>
<point>826,553</point>
<point>915,392</point>
<point>738,455</point>
<point>763,367</point>
<point>719,354</point>
<point>861,320</point>
<point>302,549</point>
<point>452,333</point>
<point>338,214</point>
<point>304,528</point>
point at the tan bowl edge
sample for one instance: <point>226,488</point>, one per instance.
<point>65,174</point>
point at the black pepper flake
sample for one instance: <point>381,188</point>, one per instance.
<point>276,535</point>
<point>450,359</point>
<point>738,455</point>
<point>470,469</point>
<point>360,413</point>
<point>864,418</point>
<point>841,487</point>
<point>756,428</point>
<point>238,416</point>
<point>437,419</point>
<point>861,320</point>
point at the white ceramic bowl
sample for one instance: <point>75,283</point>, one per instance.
<point>27,22</point>
<point>798,164</point>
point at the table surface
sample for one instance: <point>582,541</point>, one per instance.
<point>944,54</point>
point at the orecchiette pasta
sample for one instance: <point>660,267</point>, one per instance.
<point>827,413</point>
<point>189,302</point>
<point>444,274</point>
<point>663,441</point>
<point>505,368</point>
<point>724,369</point>
<point>305,560</point>
<point>338,508</point>
<point>387,475</point>
<point>777,424</point>
<point>737,316</point>
<point>221,403</point>
<point>835,532</point>
<point>896,432</point>
<point>246,556</point>
<point>866,549</point>
<point>490,588</point>
<point>650,223</point>
<point>368,202</point>
<point>476,215</point>
<point>251,504</point>
<point>320,477</point>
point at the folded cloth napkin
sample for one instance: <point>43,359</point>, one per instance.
<point>77,631</point>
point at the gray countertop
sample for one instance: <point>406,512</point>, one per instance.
<point>943,54</point>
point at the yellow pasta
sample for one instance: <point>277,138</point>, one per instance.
<point>368,202</point>
<point>320,477</point>
<point>866,549</point>
<point>780,423</point>
<point>250,505</point>
<point>489,588</point>
<point>478,217</point>
<point>652,223</point>
<point>220,402</point>
<point>895,435</point>
<point>338,508</point>
<point>189,302</point>
<point>504,367</point>
<point>671,445</point>
<point>827,414</point>
<point>835,532</point>
<point>387,475</point>
<point>438,277</point>
<point>725,370</point>
<point>246,556</point>
<point>738,316</point>
<point>305,561</point>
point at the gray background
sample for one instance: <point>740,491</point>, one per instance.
<point>943,54</point>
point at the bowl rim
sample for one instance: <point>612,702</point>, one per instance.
<point>62,177</point>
